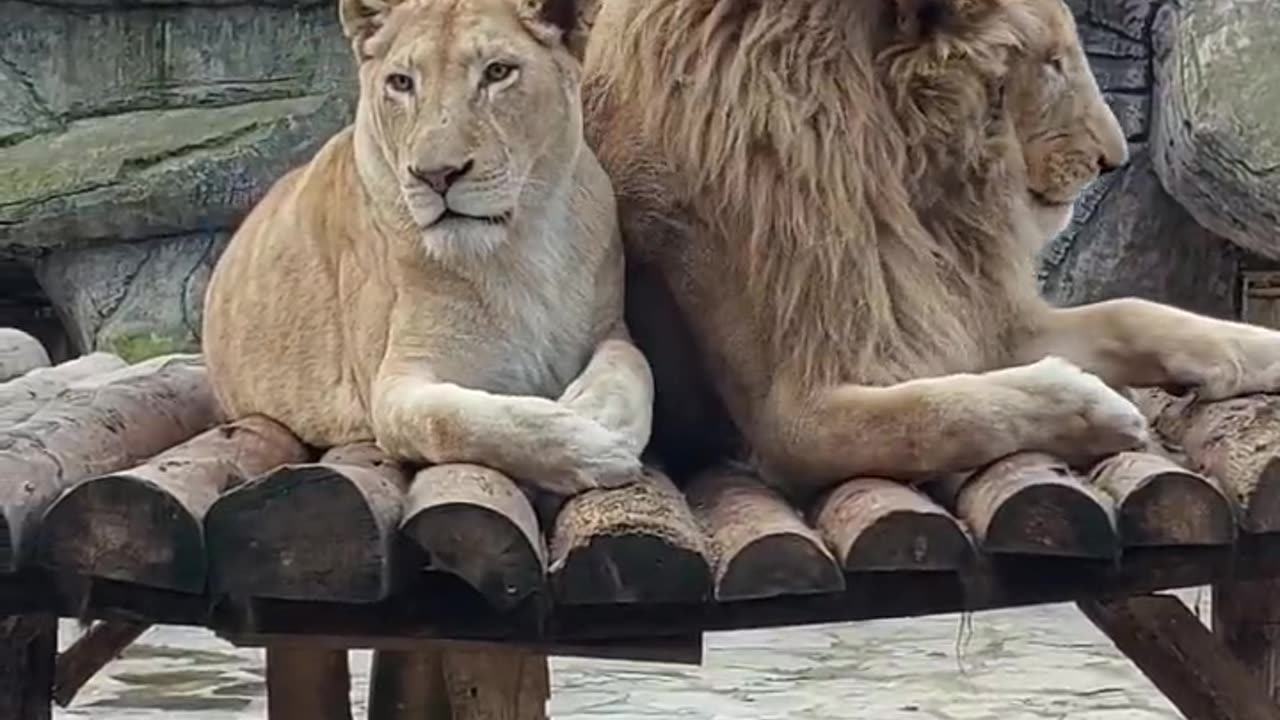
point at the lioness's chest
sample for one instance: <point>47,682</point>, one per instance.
<point>523,336</point>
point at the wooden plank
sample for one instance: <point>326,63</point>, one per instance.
<point>28,645</point>
<point>874,524</point>
<point>20,354</point>
<point>1246,619</point>
<point>1235,441</point>
<point>475,523</point>
<point>306,683</point>
<point>497,685</point>
<point>21,397</point>
<point>145,525</point>
<point>318,531</point>
<point>1182,658</point>
<point>1030,503</point>
<point>99,645</point>
<point>758,545</point>
<point>99,425</point>
<point>1160,503</point>
<point>637,544</point>
<point>408,685</point>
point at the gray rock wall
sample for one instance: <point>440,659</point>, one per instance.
<point>136,133</point>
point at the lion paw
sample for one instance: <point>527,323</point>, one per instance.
<point>1077,416</point>
<point>583,455</point>
<point>1246,363</point>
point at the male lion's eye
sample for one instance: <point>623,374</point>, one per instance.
<point>496,72</point>
<point>400,82</point>
<point>1057,63</point>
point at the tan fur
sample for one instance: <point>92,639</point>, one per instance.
<point>348,308</point>
<point>841,202</point>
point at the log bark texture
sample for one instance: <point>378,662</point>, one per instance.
<point>873,524</point>
<point>99,425</point>
<point>21,397</point>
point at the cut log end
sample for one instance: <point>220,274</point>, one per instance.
<point>475,523</point>
<point>1263,512</point>
<point>124,528</point>
<point>874,524</point>
<point>1162,504</point>
<point>758,544</point>
<point>638,544</point>
<point>1031,504</point>
<point>306,532</point>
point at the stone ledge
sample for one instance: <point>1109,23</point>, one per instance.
<point>150,173</point>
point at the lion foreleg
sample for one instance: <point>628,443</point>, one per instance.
<point>1138,343</point>
<point>531,439</point>
<point>950,423</point>
<point>616,390</point>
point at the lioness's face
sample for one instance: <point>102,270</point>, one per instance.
<point>1068,133</point>
<point>474,113</point>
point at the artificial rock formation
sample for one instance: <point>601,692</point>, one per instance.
<point>134,135</point>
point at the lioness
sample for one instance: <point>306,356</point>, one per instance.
<point>839,204</point>
<point>445,275</point>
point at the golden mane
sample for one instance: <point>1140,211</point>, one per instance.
<point>849,171</point>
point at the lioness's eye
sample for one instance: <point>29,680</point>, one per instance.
<point>400,82</point>
<point>1057,63</point>
<point>496,72</point>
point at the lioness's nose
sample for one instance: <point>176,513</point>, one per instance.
<point>1113,160</point>
<point>441,177</point>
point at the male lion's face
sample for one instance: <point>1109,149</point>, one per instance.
<point>1068,133</point>
<point>473,111</point>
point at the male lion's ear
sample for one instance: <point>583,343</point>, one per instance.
<point>362,18</point>
<point>919,19</point>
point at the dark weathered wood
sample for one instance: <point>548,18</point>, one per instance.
<point>1246,619</point>
<point>477,524</point>
<point>21,397</point>
<point>758,545</point>
<point>98,425</point>
<point>637,544</point>
<point>408,685</point>
<point>1182,658</point>
<point>875,524</point>
<point>20,354</point>
<point>321,531</point>
<point>305,683</point>
<point>28,646</point>
<point>100,644</point>
<point>1160,503</point>
<point>145,525</point>
<point>497,685</point>
<point>1031,503</point>
<point>1236,442</point>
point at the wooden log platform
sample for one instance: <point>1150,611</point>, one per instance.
<point>126,497</point>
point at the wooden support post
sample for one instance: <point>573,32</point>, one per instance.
<point>1181,657</point>
<point>448,682</point>
<point>90,653</point>
<point>1246,618</point>
<point>28,646</point>
<point>307,683</point>
<point>408,685</point>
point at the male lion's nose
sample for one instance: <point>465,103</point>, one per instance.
<point>441,177</point>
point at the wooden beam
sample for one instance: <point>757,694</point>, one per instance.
<point>1182,658</point>
<point>1030,503</point>
<point>1161,503</point>
<point>21,397</point>
<point>408,685</point>
<point>103,424</point>
<point>758,545</point>
<point>145,525</point>
<point>476,524</point>
<point>1246,618</point>
<point>504,685</point>
<point>307,684</point>
<point>28,645</point>
<point>322,531</point>
<point>99,645</point>
<point>880,525</point>
<point>637,544</point>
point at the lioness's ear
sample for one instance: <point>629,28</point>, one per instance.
<point>362,18</point>
<point>558,17</point>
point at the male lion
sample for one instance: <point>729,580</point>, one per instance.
<point>444,276</point>
<point>831,210</point>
